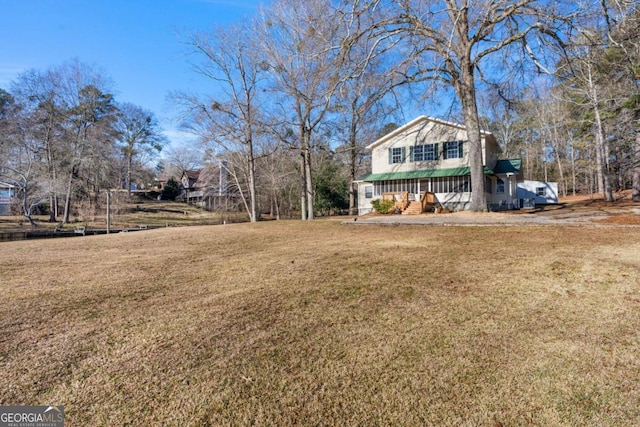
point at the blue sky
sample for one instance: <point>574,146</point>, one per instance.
<point>135,42</point>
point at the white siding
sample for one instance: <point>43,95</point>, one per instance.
<point>364,204</point>
<point>531,189</point>
<point>426,131</point>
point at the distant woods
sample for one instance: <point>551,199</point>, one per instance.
<point>302,87</point>
<point>64,139</point>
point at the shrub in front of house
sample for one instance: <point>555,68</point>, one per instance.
<point>383,206</point>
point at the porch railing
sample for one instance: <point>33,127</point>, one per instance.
<point>427,201</point>
<point>400,198</point>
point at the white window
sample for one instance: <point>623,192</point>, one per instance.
<point>397,155</point>
<point>368,191</point>
<point>417,153</point>
<point>540,191</point>
<point>500,186</point>
<point>453,150</point>
<point>427,152</point>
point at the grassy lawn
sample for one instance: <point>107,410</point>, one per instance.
<point>130,213</point>
<point>292,323</point>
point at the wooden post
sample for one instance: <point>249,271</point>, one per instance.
<point>108,212</point>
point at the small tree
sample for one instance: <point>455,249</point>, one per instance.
<point>331,189</point>
<point>171,189</point>
<point>138,132</point>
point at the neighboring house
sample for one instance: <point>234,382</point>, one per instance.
<point>429,155</point>
<point>7,192</point>
<point>209,188</point>
<point>192,189</point>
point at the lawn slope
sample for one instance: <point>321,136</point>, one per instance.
<point>317,323</point>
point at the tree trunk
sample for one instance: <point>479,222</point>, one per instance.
<point>52,210</point>
<point>67,199</point>
<point>26,208</point>
<point>636,168</point>
<point>129,162</point>
<point>467,94</point>
<point>252,190</point>
<point>303,186</point>
<point>53,198</point>
<point>573,166</point>
<point>601,168</point>
<point>53,201</point>
<point>560,168</point>
<point>604,183</point>
<point>353,157</point>
<point>309,182</point>
<point>251,161</point>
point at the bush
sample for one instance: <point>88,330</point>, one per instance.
<point>171,190</point>
<point>383,206</point>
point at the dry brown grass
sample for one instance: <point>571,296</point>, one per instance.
<point>126,213</point>
<point>295,323</point>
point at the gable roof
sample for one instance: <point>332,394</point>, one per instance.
<point>415,122</point>
<point>507,166</point>
<point>193,174</point>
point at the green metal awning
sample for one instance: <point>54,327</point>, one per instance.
<point>418,174</point>
<point>502,167</point>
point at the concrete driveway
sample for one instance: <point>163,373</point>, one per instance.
<point>557,215</point>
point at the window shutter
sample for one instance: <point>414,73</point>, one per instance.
<point>444,150</point>
<point>411,154</point>
<point>435,151</point>
<point>404,154</point>
<point>460,150</point>
<point>390,155</point>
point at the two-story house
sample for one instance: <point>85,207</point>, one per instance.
<point>210,187</point>
<point>432,155</point>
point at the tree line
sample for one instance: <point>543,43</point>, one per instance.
<point>304,86</point>
<point>65,139</point>
<point>300,89</point>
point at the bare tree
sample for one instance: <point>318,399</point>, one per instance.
<point>85,133</point>
<point>37,92</point>
<point>304,48</point>
<point>452,42</point>
<point>279,178</point>
<point>21,161</point>
<point>87,111</point>
<point>138,132</point>
<point>365,99</point>
<point>583,84</point>
<point>623,25</point>
<point>229,119</point>
<point>177,159</point>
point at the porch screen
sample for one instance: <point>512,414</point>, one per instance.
<point>451,184</point>
<point>395,186</point>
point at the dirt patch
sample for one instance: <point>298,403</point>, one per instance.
<point>621,219</point>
